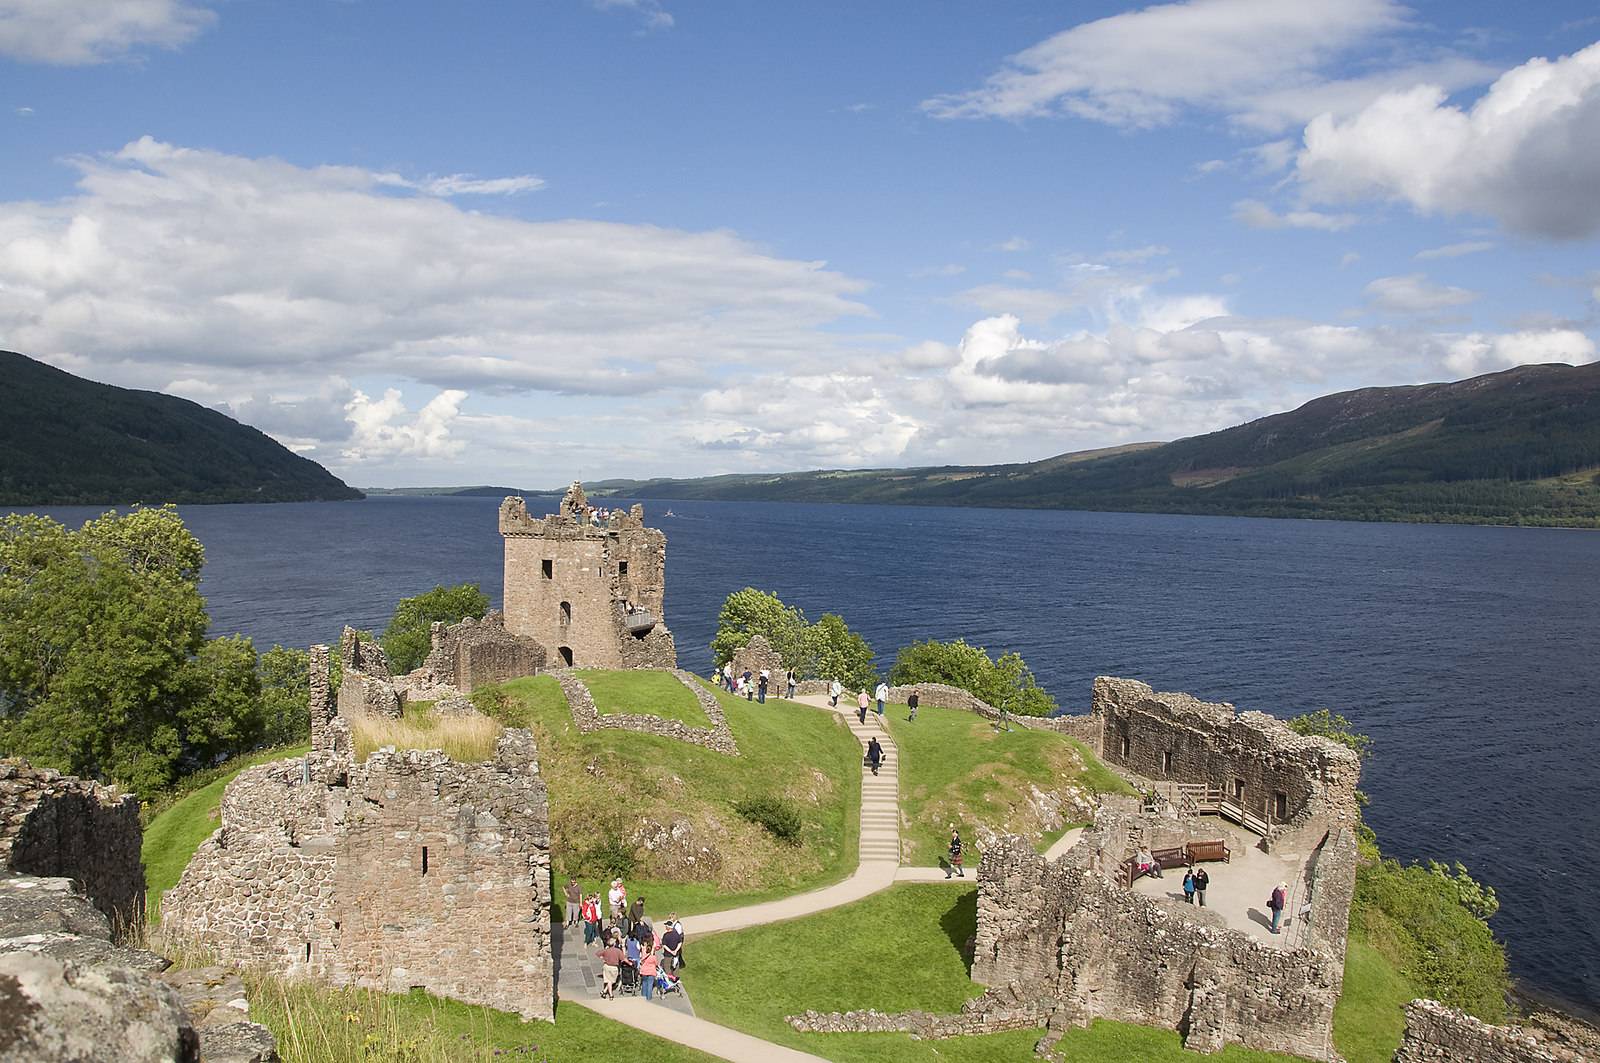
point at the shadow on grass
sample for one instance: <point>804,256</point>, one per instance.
<point>960,924</point>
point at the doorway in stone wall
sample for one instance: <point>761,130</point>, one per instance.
<point>566,655</point>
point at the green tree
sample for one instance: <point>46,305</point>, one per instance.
<point>836,652</point>
<point>98,627</point>
<point>1325,724</point>
<point>1007,683</point>
<point>285,694</point>
<point>407,639</point>
<point>747,613</point>
<point>220,711</point>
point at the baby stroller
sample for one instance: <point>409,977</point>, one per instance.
<point>628,979</point>
<point>667,983</point>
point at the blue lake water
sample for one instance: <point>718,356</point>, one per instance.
<point>1469,654</point>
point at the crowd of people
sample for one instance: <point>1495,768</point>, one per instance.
<point>752,686</point>
<point>632,954</point>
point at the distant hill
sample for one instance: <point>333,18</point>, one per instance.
<point>65,440</point>
<point>1518,447</point>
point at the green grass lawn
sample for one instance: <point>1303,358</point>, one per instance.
<point>652,693</point>
<point>316,1024</point>
<point>955,768</point>
<point>1369,1019</point>
<point>171,838</point>
<point>894,951</point>
<point>602,783</point>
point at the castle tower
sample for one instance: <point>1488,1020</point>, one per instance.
<point>594,594</point>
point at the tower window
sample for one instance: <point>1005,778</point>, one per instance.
<point>622,568</point>
<point>1166,762</point>
<point>549,567</point>
<point>424,859</point>
<point>1280,806</point>
<point>566,613</point>
<point>1127,746</point>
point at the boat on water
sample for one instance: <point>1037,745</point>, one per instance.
<point>669,513</point>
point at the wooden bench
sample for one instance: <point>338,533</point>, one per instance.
<point>1211,851</point>
<point>1168,859</point>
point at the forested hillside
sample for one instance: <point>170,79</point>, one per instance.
<point>66,440</point>
<point>1517,447</point>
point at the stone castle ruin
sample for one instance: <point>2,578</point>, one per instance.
<point>592,593</point>
<point>405,870</point>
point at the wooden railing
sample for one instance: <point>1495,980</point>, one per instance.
<point>1194,799</point>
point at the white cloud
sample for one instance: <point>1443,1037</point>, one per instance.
<point>1258,215</point>
<point>1526,153</point>
<point>949,269</point>
<point>1478,352</point>
<point>79,32</point>
<point>382,430</point>
<point>24,112</point>
<point>170,263</point>
<point>1210,166</point>
<point>1014,244</point>
<point>1348,259</point>
<point>652,14</point>
<point>1131,255</point>
<point>1265,63</point>
<point>1414,293</point>
<point>1468,247</point>
<point>465,184</point>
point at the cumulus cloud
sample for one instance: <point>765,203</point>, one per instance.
<point>170,263</point>
<point>383,429</point>
<point>1258,215</point>
<point>1526,153</point>
<point>80,32</point>
<point>1414,293</point>
<point>1264,63</point>
<point>1478,352</point>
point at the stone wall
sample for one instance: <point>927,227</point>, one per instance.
<point>366,686</point>
<point>407,870</point>
<point>589,718</point>
<point>1437,1034</point>
<point>1305,786</point>
<point>995,1011</point>
<point>756,655</point>
<point>479,653</point>
<point>577,587</point>
<point>57,826</point>
<point>1093,949</point>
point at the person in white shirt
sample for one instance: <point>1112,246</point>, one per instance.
<point>881,694</point>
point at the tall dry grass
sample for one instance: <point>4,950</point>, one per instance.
<point>462,738</point>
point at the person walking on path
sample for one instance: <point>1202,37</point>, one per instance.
<point>727,676</point>
<point>793,682</point>
<point>955,856</point>
<point>574,894</point>
<point>874,754</point>
<point>882,693</point>
<point>862,701</point>
<point>833,693</point>
<point>1280,898</point>
<point>911,703</point>
<point>649,964</point>
<point>611,958</point>
<point>1201,881</point>
<point>749,685</point>
<point>761,688</point>
<point>1188,886</point>
<point>672,944</point>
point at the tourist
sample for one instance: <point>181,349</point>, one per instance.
<point>1201,881</point>
<point>727,676</point>
<point>591,918</point>
<point>911,703</point>
<point>761,686</point>
<point>862,701</point>
<point>574,894</point>
<point>834,690</point>
<point>611,958</point>
<point>1280,898</point>
<point>631,951</point>
<point>955,855</point>
<point>1188,885</point>
<point>881,694</point>
<point>748,679</point>
<point>618,896</point>
<point>649,967</point>
<point>672,944</point>
<point>793,681</point>
<point>636,913</point>
<point>1145,864</point>
<point>874,754</point>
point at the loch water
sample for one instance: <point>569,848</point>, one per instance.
<point>1469,654</point>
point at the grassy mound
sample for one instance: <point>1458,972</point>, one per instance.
<point>316,1024</point>
<point>957,770</point>
<point>652,693</point>
<point>895,951</point>
<point>464,739</point>
<point>172,836</point>
<point>660,812</point>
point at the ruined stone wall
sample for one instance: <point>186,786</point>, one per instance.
<point>1305,785</point>
<point>57,826</point>
<point>1330,890</point>
<point>756,655</point>
<point>1093,949</point>
<point>589,718</point>
<point>569,584</point>
<point>479,653</point>
<point>366,686</point>
<point>1437,1034</point>
<point>326,876</point>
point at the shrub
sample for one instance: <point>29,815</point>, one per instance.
<point>1005,683</point>
<point>408,637</point>
<point>609,856</point>
<point>779,816</point>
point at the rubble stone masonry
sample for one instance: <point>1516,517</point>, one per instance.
<point>1438,1034</point>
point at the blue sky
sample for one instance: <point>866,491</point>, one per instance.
<point>522,242</point>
